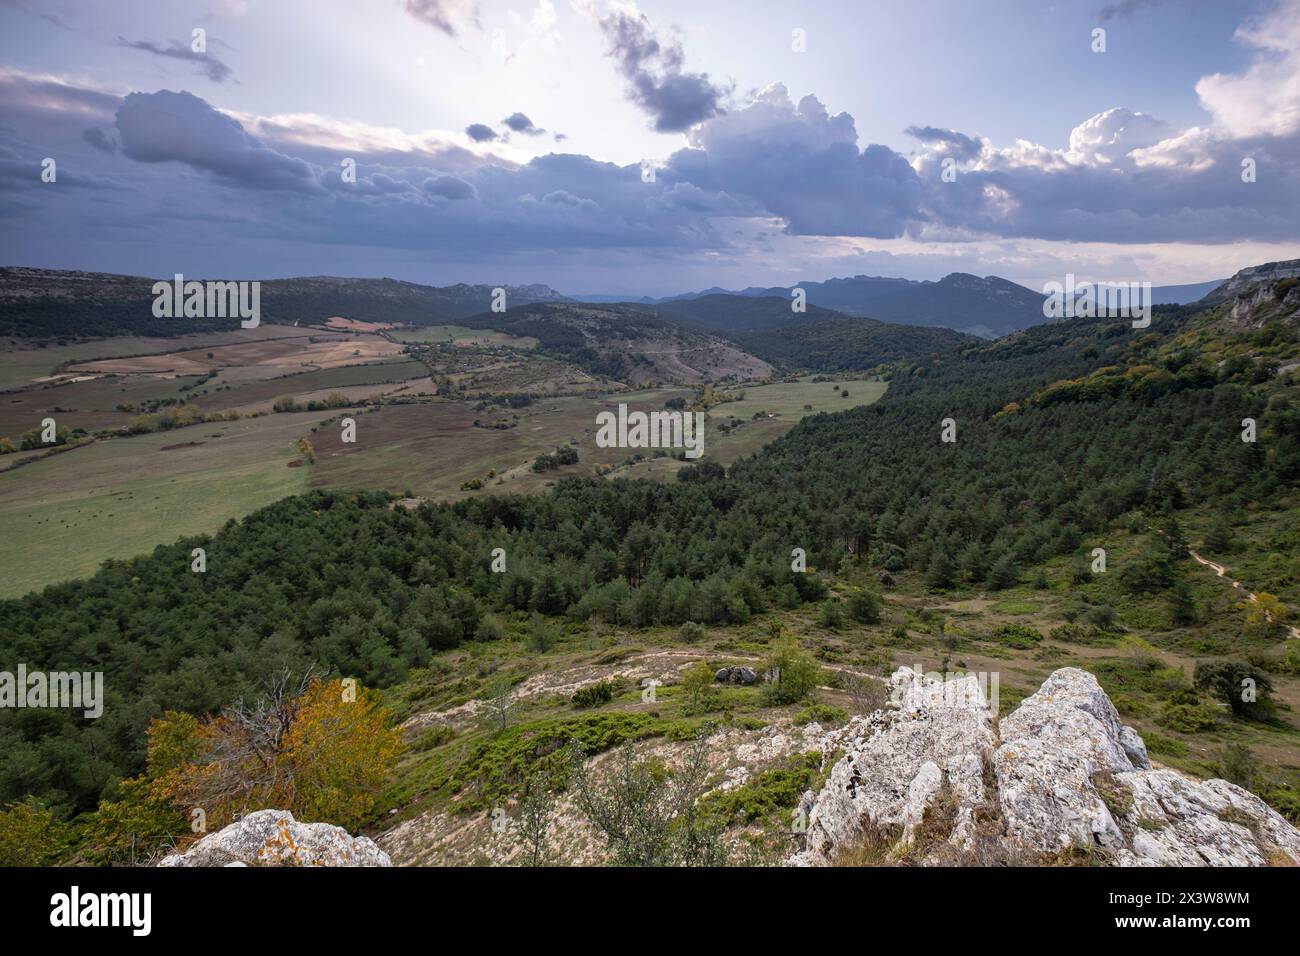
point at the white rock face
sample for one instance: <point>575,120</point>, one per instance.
<point>275,838</point>
<point>897,761</point>
<point>1067,773</point>
<point>1058,741</point>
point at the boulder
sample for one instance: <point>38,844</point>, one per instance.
<point>896,763</point>
<point>1062,775</point>
<point>275,838</point>
<point>736,675</point>
<point>1070,775</point>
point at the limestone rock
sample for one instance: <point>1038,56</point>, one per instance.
<point>275,838</point>
<point>1070,775</point>
<point>896,763</point>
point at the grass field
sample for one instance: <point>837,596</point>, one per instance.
<point>785,400</point>
<point>118,498</point>
<point>432,449</point>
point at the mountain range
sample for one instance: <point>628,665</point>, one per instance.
<point>988,307</point>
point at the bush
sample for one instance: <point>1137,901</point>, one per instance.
<point>698,687</point>
<point>1229,681</point>
<point>1019,636</point>
<point>1184,712</point>
<point>541,636</point>
<point>691,632</point>
<point>1238,765</point>
<point>1074,633</point>
<point>1101,617</point>
<point>791,673</point>
<point>593,695</point>
<point>29,835</point>
<point>832,618</point>
<point>824,714</point>
<point>489,629</point>
<point>864,607</point>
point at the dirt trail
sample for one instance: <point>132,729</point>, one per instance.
<point>1292,633</point>
<point>663,666</point>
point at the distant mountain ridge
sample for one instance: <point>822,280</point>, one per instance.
<point>988,306</point>
<point>63,303</point>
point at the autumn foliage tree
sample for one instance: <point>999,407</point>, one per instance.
<point>320,749</point>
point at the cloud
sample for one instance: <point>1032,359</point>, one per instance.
<point>1125,8</point>
<point>1265,100</point>
<point>97,138</point>
<point>207,63</point>
<point>956,144</point>
<point>675,100</point>
<point>773,178</point>
<point>449,187</point>
<point>522,124</point>
<point>166,126</point>
<point>803,164</point>
<point>449,16</point>
<point>26,6</point>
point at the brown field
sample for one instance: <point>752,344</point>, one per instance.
<point>356,325</point>
<point>22,362</point>
<point>90,404</point>
<point>270,357</point>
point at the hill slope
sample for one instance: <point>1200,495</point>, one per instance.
<point>68,305</point>
<point>626,343</point>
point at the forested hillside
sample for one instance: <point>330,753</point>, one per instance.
<point>63,305</point>
<point>1060,431</point>
<point>845,344</point>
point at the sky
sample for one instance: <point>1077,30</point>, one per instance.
<point>651,148</point>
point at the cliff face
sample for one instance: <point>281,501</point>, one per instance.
<point>934,779</point>
<point>1247,279</point>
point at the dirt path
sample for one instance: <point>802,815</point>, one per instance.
<point>662,666</point>
<point>1292,633</point>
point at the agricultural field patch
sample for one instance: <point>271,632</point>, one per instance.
<point>124,496</point>
<point>269,358</point>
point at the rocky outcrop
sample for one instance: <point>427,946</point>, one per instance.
<point>275,838</point>
<point>1070,776</point>
<point>896,763</point>
<point>736,675</point>
<point>1253,292</point>
<point>1066,776</point>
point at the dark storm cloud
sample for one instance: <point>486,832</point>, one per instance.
<point>480,132</point>
<point>166,126</point>
<point>674,99</point>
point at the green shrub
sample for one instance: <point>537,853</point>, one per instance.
<point>691,632</point>
<point>832,618</point>
<point>824,714</point>
<point>792,673</point>
<point>1020,636</point>
<point>593,695</point>
<point>864,607</point>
